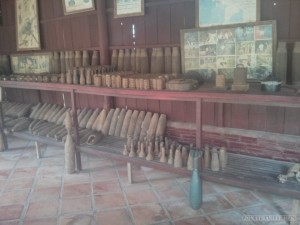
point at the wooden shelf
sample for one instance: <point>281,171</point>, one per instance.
<point>240,171</point>
<point>29,136</point>
<point>255,97</point>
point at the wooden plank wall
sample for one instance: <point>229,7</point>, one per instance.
<point>159,27</point>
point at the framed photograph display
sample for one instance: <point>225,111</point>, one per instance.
<point>37,63</point>
<point>77,6</point>
<point>218,50</point>
<point>217,12</point>
<point>127,8</point>
<point>27,25</point>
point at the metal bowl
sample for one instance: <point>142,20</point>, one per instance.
<point>270,86</point>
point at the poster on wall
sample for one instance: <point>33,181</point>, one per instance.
<point>219,12</point>
<point>77,6</point>
<point>218,50</point>
<point>37,63</point>
<point>27,25</point>
<point>127,8</point>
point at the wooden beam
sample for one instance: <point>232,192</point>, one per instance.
<point>199,123</point>
<point>75,126</point>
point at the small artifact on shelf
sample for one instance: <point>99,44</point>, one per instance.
<point>190,162</point>
<point>95,58</point>
<point>69,147</point>
<point>120,122</point>
<point>106,125</point>
<point>85,58</point>
<point>78,60</point>
<point>168,60</point>
<point>152,127</point>
<point>293,171</point>
<point>62,79</point>
<point>114,58</point>
<point>138,147</point>
<point>114,121</point>
<point>163,157</point>
<point>82,77</point>
<point>99,122</point>
<point>142,153</point>
<point>94,138</point>
<point>126,123</point>
<point>215,163</point>
<point>221,82</point>
<point>171,154</point>
<point>184,155</point>
<point>206,156</point>
<point>178,157</point>
<point>97,81</point>
<point>138,126</point>
<point>92,119</point>
<point>132,123</point>
<point>271,84</point>
<point>125,151</point>
<point>144,61</point>
<point>240,79</point>
<point>150,154</point>
<point>223,157</point>
<point>132,60</point>
<point>156,146</point>
<point>132,152</point>
<point>176,62</point>
<point>181,84</point>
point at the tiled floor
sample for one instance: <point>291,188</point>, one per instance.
<point>39,192</point>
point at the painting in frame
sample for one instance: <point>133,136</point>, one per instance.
<point>77,6</point>
<point>220,12</point>
<point>218,50</point>
<point>128,8</point>
<point>27,25</point>
<point>36,63</point>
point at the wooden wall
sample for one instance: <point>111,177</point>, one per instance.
<point>159,27</point>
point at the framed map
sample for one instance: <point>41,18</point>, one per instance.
<point>127,8</point>
<point>220,12</point>
<point>218,50</point>
<point>27,24</point>
<point>36,63</point>
<point>76,6</point>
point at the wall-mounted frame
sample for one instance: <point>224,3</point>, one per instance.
<point>215,13</point>
<point>128,8</point>
<point>77,6</point>
<point>217,50</point>
<point>36,63</point>
<point>27,25</point>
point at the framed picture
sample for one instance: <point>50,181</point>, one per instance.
<point>215,12</point>
<point>77,6</point>
<point>127,8</point>
<point>218,50</point>
<point>37,63</point>
<point>27,25</point>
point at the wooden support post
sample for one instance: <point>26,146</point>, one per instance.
<point>107,102</point>
<point>294,213</point>
<point>129,172</point>
<point>199,123</point>
<point>4,145</point>
<point>37,149</point>
<point>75,126</point>
<point>221,114</point>
<point>103,32</point>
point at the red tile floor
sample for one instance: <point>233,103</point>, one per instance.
<point>39,192</point>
